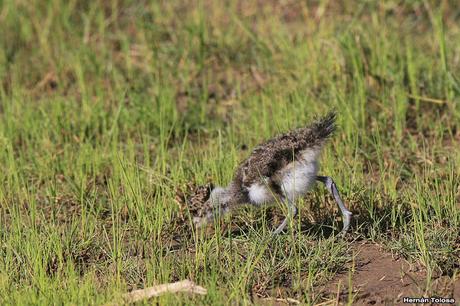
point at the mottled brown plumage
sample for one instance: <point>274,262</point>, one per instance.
<point>270,157</point>
<point>199,198</point>
<point>194,198</point>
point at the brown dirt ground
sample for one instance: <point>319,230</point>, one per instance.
<point>380,279</point>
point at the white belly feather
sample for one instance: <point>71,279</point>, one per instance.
<point>259,194</point>
<point>296,179</point>
<point>300,175</point>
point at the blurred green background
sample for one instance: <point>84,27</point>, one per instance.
<point>108,107</point>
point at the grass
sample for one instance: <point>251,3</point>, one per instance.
<point>107,107</point>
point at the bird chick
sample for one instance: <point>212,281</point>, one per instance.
<point>283,169</point>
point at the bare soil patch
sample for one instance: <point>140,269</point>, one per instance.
<point>378,278</point>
